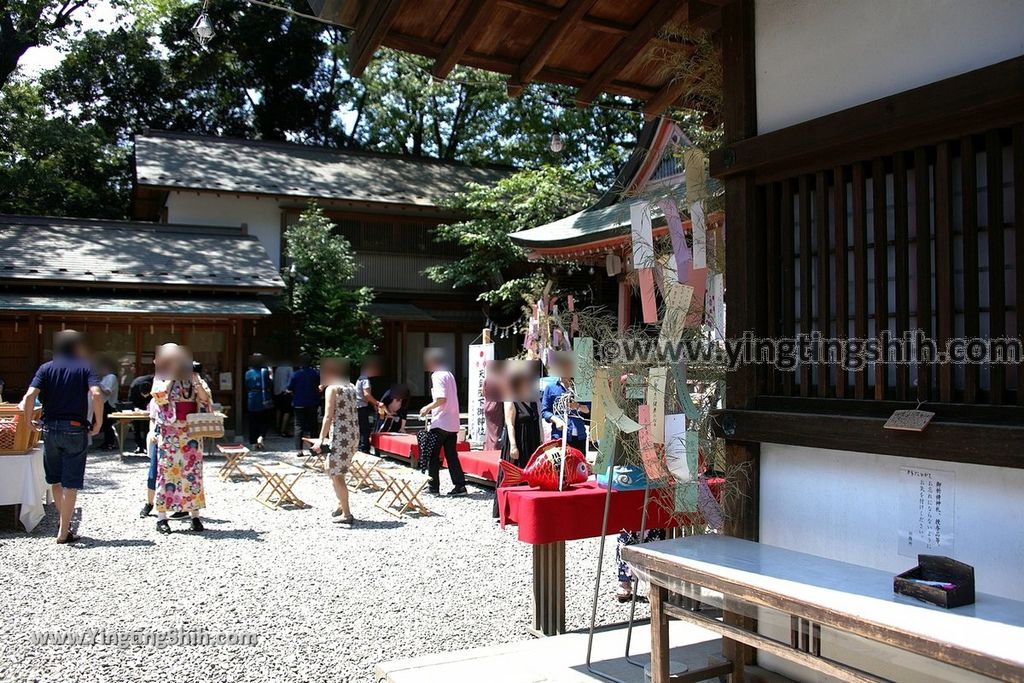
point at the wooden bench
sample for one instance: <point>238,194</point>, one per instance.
<point>404,447</point>
<point>234,454</point>
<point>402,490</point>
<point>817,602</point>
<point>481,467</point>
<point>279,486</point>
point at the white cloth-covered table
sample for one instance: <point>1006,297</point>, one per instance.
<point>22,482</point>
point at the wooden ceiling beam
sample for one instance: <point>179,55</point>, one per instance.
<point>475,16</point>
<point>571,14</point>
<point>539,9</point>
<point>628,49</point>
<point>371,28</point>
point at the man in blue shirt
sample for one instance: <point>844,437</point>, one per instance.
<point>65,386</point>
<point>577,428</point>
<point>304,387</point>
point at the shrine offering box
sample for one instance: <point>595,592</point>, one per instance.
<point>936,568</point>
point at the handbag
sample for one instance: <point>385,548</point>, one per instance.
<point>203,425</point>
<point>430,446</point>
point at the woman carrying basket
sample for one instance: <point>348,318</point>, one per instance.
<point>179,473</point>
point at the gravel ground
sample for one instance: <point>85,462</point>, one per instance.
<point>326,602</point>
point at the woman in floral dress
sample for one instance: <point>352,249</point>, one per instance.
<point>339,433</point>
<point>179,473</point>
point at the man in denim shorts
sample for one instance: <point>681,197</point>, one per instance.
<point>65,386</point>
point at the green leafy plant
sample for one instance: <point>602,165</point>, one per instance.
<point>331,316</point>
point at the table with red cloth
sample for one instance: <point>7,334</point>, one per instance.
<point>481,467</point>
<point>547,519</point>
<point>404,446</point>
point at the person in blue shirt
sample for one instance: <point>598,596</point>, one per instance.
<point>259,391</point>
<point>65,386</point>
<point>304,389</point>
<point>577,428</point>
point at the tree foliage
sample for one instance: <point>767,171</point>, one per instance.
<point>331,316</point>
<point>493,263</point>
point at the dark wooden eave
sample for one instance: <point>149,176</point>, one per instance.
<point>595,46</point>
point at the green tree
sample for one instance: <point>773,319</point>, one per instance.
<point>331,315</point>
<point>52,166</point>
<point>493,263</point>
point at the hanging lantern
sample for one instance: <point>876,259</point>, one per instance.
<point>203,30</point>
<point>556,144</point>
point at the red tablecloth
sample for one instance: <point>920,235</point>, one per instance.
<point>481,464</point>
<point>550,516</point>
<point>403,444</point>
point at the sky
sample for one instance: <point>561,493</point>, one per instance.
<point>97,15</point>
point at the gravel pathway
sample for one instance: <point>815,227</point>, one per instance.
<point>326,602</point>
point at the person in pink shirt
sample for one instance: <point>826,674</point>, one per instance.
<point>444,422</point>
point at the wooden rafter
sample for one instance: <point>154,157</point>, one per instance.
<point>371,28</point>
<point>628,49</point>
<point>571,14</point>
<point>474,17</point>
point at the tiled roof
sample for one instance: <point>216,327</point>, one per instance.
<point>244,308</point>
<point>589,225</point>
<point>177,160</point>
<point>86,251</point>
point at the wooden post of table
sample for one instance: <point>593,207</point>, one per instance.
<point>659,635</point>
<point>549,588</point>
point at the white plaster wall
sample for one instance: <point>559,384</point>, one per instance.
<point>843,505</point>
<point>261,214</point>
<point>815,57</point>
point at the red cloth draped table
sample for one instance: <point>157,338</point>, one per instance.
<point>404,446</point>
<point>547,519</point>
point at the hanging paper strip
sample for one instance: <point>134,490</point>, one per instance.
<point>650,452</point>
<point>715,306</point>
<point>675,447</point>
<point>613,265</point>
<point>584,352</point>
<point>635,387</point>
<point>648,301</point>
<point>574,322</point>
<point>683,392</point>
<point>699,230</point>
<point>605,448</point>
<point>696,174</point>
<point>709,507</point>
<point>643,237</point>
<point>597,416</point>
<point>680,251</point>
<point>656,381</point>
<point>687,497</point>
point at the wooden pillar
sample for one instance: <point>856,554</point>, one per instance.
<point>744,296</point>
<point>240,330</point>
<point>625,295</point>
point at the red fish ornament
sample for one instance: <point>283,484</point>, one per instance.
<point>543,469</point>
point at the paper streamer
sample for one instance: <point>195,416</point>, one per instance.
<point>683,393</point>
<point>657,378</point>
<point>643,236</point>
<point>648,302</point>
<point>699,230</point>
<point>612,264</point>
<point>583,348</point>
<point>709,507</point>
<point>680,251</point>
<point>575,321</point>
<point>715,306</point>
<point>650,452</point>
<point>605,448</point>
<point>675,447</point>
<point>624,423</point>
<point>696,174</point>
<point>600,388</point>
<point>635,387</point>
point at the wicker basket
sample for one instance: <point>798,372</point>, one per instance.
<point>16,436</point>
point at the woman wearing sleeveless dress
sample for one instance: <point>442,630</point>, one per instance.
<point>339,431</point>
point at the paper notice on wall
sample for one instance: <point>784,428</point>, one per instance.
<point>700,235</point>
<point>675,446</point>
<point>926,512</point>
<point>643,236</point>
<point>225,382</point>
<point>479,355</point>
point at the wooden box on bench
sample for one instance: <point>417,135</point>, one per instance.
<point>938,568</point>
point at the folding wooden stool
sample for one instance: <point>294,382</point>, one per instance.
<point>234,454</point>
<point>403,491</point>
<point>278,488</point>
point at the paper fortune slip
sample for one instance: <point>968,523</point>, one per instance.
<point>642,234</point>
